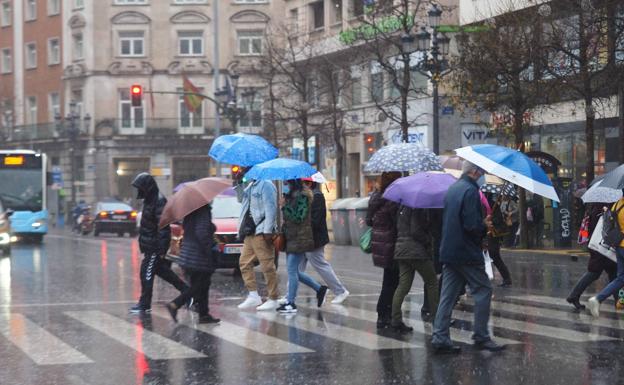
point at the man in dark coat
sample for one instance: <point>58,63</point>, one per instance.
<point>153,242</point>
<point>197,260</point>
<point>461,254</point>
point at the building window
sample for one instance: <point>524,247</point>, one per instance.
<point>190,120</point>
<point>6,65</point>
<point>356,85</point>
<point>252,107</point>
<point>31,55</point>
<point>78,4</point>
<point>312,91</point>
<point>31,113</point>
<point>131,2</point>
<point>251,1</point>
<point>131,117</point>
<point>191,43</point>
<point>31,10</point>
<point>54,106</point>
<point>131,43</point>
<point>54,7</point>
<point>249,42</point>
<point>54,51</point>
<point>5,17</point>
<point>336,11</point>
<point>190,1</point>
<point>76,97</point>
<point>78,46</point>
<point>376,82</point>
<point>318,15</point>
<point>293,19</point>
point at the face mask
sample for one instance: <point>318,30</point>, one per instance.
<point>481,181</point>
<point>286,188</point>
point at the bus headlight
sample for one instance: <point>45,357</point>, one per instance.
<point>5,238</point>
<point>38,224</point>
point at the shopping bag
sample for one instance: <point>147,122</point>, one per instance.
<point>366,241</point>
<point>597,244</point>
<point>488,264</point>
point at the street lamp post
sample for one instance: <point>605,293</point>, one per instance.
<point>71,127</point>
<point>435,47</point>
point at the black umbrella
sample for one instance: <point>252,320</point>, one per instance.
<point>614,179</point>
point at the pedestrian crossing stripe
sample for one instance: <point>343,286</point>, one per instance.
<point>556,301</point>
<point>366,340</point>
<point>419,326</point>
<point>38,344</point>
<point>242,336</point>
<point>44,348</point>
<point>149,343</point>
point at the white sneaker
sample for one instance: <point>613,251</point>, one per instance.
<point>594,306</point>
<point>340,298</point>
<point>250,303</point>
<point>270,304</point>
<point>282,301</point>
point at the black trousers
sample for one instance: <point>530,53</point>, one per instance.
<point>389,284</point>
<point>494,246</point>
<point>151,266</point>
<point>200,285</point>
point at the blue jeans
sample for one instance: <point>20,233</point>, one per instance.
<point>615,285</point>
<point>454,278</point>
<point>293,260</point>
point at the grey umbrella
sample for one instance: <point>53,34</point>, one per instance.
<point>403,157</point>
<point>600,194</point>
<point>614,179</point>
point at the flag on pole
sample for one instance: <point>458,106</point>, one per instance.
<point>152,103</point>
<point>191,98</point>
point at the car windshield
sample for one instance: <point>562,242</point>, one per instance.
<point>21,189</point>
<point>114,206</point>
<point>226,207</point>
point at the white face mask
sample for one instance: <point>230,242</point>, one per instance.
<point>481,181</point>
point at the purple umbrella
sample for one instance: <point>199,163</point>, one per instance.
<point>425,190</point>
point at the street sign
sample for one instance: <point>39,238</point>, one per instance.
<point>57,178</point>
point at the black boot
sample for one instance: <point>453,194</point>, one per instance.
<point>576,303</point>
<point>383,321</point>
<point>402,328</point>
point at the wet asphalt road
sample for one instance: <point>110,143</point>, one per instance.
<point>64,320</point>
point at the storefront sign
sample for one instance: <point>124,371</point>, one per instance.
<point>472,134</point>
<point>415,134</point>
<point>547,162</point>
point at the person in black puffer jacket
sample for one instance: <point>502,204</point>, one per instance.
<point>197,260</point>
<point>153,242</point>
<point>382,217</point>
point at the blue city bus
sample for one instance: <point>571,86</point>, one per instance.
<point>23,190</point>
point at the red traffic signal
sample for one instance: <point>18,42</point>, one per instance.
<point>136,94</point>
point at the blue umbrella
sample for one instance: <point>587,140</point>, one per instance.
<point>242,149</point>
<point>281,169</point>
<point>512,166</point>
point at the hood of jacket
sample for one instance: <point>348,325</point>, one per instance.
<point>146,186</point>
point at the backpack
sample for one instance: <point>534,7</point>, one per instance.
<point>611,233</point>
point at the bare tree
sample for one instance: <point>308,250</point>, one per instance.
<point>378,38</point>
<point>582,40</point>
<point>498,70</point>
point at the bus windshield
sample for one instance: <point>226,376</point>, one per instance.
<point>21,189</point>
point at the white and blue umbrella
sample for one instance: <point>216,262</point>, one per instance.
<point>403,157</point>
<point>281,169</point>
<point>597,193</point>
<point>512,166</point>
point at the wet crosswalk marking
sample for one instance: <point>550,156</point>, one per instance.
<point>605,308</point>
<point>242,336</point>
<point>40,345</point>
<point>340,333</point>
<point>419,326</point>
<point>151,344</point>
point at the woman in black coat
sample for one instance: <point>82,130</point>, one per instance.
<point>597,262</point>
<point>382,217</point>
<point>198,261</point>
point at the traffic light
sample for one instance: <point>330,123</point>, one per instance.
<point>235,170</point>
<point>372,142</point>
<point>136,94</point>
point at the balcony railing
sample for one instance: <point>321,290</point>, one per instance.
<point>30,132</point>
